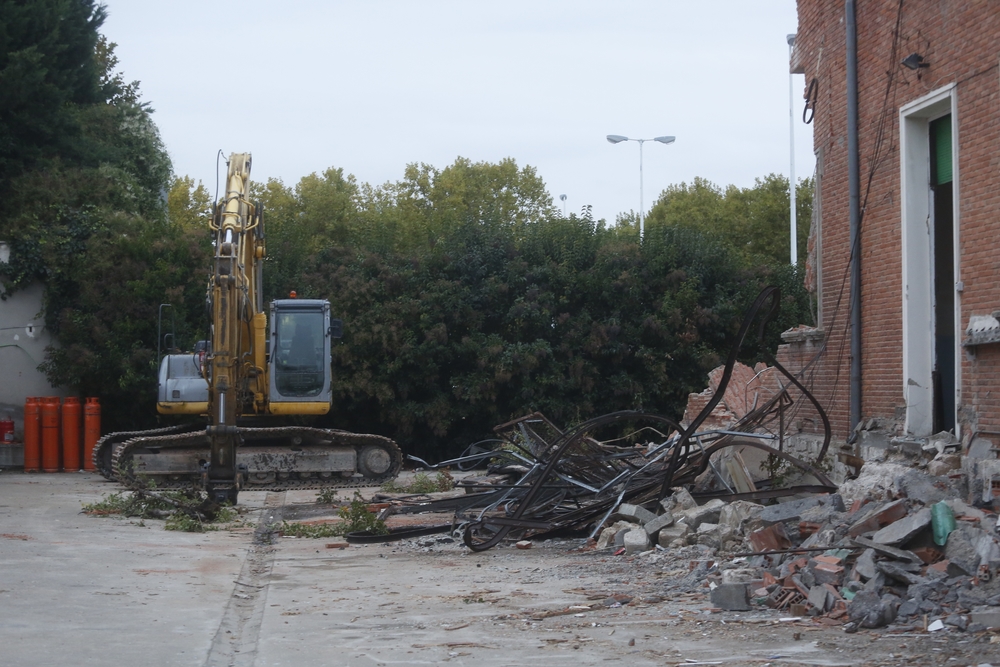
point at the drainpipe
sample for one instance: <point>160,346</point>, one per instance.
<point>853,171</point>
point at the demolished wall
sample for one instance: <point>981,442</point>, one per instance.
<point>896,547</point>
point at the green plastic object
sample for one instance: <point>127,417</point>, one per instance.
<point>942,522</point>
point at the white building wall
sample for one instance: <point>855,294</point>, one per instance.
<point>23,340</point>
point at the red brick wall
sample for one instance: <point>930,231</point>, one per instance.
<point>961,41</point>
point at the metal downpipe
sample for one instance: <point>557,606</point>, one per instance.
<point>854,180</point>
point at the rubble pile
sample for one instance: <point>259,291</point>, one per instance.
<point>902,551</point>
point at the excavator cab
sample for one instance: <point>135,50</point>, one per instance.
<point>299,362</point>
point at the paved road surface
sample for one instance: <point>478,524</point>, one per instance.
<point>80,590</point>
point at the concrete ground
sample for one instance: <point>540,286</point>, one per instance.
<point>82,590</point>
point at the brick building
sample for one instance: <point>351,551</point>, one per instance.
<point>928,101</point>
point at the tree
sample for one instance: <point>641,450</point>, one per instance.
<point>753,220</point>
<point>48,73</point>
<point>85,181</point>
<point>189,205</point>
<point>429,205</point>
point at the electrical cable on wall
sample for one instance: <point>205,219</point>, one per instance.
<point>812,93</point>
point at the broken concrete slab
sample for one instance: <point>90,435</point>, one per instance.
<point>894,571</point>
<point>713,534</point>
<point>607,536</point>
<point>908,608</point>
<point>818,516</point>
<point>869,610</point>
<point>819,597</point>
<point>740,575</point>
<point>680,499</point>
<point>731,597</point>
<point>636,541</point>
<point>707,513</point>
<point>944,464</point>
<point>670,533</point>
<point>836,501</point>
<point>876,583</point>
<point>736,513</point>
<point>961,551</point>
<point>878,517</point>
<point>960,621</point>
<point>788,511</point>
<point>975,596</point>
<point>987,548</point>
<point>876,480</point>
<point>634,513</point>
<point>662,521</point>
<point>918,485</point>
<point>923,591</point>
<point>887,550</point>
<point>901,531</point>
<point>982,476</point>
<point>865,565</point>
<point>986,616</point>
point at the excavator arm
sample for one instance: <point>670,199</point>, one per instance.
<point>235,360</point>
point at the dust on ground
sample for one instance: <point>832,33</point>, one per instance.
<point>432,600</point>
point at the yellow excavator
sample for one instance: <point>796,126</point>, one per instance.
<point>251,380</point>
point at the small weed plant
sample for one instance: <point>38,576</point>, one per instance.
<point>355,519</point>
<point>314,531</point>
<point>124,503</point>
<point>192,524</point>
<point>326,497</point>
<point>176,508</point>
<point>423,483</point>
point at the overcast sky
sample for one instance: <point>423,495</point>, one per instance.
<point>373,86</point>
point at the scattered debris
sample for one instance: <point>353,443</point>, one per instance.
<point>907,546</point>
<point>624,464</point>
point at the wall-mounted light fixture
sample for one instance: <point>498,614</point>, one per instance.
<point>915,61</point>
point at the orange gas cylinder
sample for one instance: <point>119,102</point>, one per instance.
<point>71,413</point>
<point>91,430</point>
<point>50,434</point>
<point>32,435</point>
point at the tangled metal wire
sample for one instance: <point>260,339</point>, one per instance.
<point>558,482</point>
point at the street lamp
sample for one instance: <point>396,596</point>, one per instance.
<point>563,199</point>
<point>791,168</point>
<point>617,139</point>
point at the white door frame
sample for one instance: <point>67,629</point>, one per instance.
<point>917,259</point>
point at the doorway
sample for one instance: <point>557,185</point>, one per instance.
<point>929,187</point>
<point>943,266</point>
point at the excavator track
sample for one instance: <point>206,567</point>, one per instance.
<point>279,458</point>
<point>104,449</point>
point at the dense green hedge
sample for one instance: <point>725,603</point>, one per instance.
<point>468,300</point>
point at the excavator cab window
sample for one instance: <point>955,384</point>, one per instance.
<point>299,356</point>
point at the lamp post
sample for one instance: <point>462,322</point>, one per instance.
<point>617,139</point>
<point>563,199</point>
<point>791,149</point>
